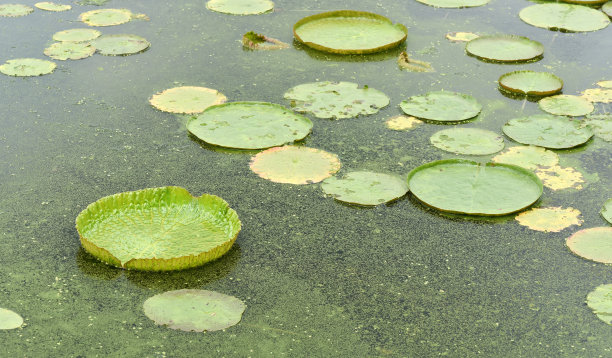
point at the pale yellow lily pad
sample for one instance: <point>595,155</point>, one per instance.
<point>605,84</point>
<point>461,36</point>
<point>413,65</point>
<point>527,156</point>
<point>402,123</point>
<point>14,10</point>
<point>557,178</point>
<point>108,17</point>
<point>186,99</point>
<point>51,6</point>
<point>553,219</point>
<point>602,95</point>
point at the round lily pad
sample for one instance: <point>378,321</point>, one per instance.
<point>106,17</point>
<point>365,188</point>
<point>14,10</point>
<point>336,99</point>
<point>186,99</point>
<point>9,319</point>
<point>461,36</point>
<point>158,229</point>
<point>454,3</point>
<point>505,48</point>
<point>527,156</point>
<point>593,244</point>
<point>241,7</point>
<point>548,131</point>
<point>552,219</point>
<point>402,123</point>
<point>600,301</point>
<point>566,105</point>
<point>194,310</point>
<point>442,106</point>
<point>120,45</point>
<point>606,211</point>
<point>295,165</point>
<point>76,35</point>
<point>601,95</point>
<point>601,126</point>
<point>607,8</point>
<point>249,125</point>
<point>558,178</point>
<point>51,6</point>
<point>564,17</point>
<point>467,187</point>
<point>349,32</point>
<point>473,141</point>
<point>69,50</point>
<point>24,67</point>
<point>531,83</point>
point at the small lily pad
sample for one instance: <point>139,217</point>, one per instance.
<point>295,165</point>
<point>186,99</point>
<point>69,50</point>
<point>553,219</point>
<point>106,17</point>
<point>365,188</point>
<point>442,106</point>
<point>505,48</point>
<point>461,36</point>
<point>566,105</point>
<point>241,7</point>
<point>606,211</point>
<point>531,83</point>
<point>564,17</point>
<point>10,319</point>
<point>558,178</point>
<point>472,141</point>
<point>256,41</point>
<point>402,123</point>
<point>600,301</point>
<point>601,95</point>
<point>601,125</point>
<point>76,35</point>
<point>24,67</point>
<point>593,244</point>
<point>528,157</point>
<point>454,3</point>
<point>14,10</point>
<point>548,131</point>
<point>51,6</point>
<point>412,65</point>
<point>194,310</point>
<point>120,45</point>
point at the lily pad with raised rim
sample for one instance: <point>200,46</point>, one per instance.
<point>106,17</point>
<point>454,3</point>
<point>9,319</point>
<point>528,157</point>
<point>566,105</point>
<point>601,124</point>
<point>564,17</point>
<point>76,35</point>
<point>14,10</point>
<point>365,188</point>
<point>600,301</point>
<point>531,83</point>
<point>548,131</point>
<point>593,244</point>
<point>158,229</point>
<point>505,48</point>
<point>69,50</point>
<point>442,106</point>
<point>553,219</point>
<point>120,45</point>
<point>606,210</point>
<point>26,67</point>
<point>51,6</point>
<point>241,7</point>
<point>471,141</point>
<point>186,99</point>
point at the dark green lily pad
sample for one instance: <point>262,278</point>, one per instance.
<point>472,141</point>
<point>249,125</point>
<point>51,6</point>
<point>593,244</point>
<point>600,301</point>
<point>241,7</point>
<point>504,48</point>
<point>606,211</point>
<point>601,125</point>
<point>564,17</point>
<point>548,131</point>
<point>76,35</point>
<point>69,50</point>
<point>531,83</point>
<point>9,319</point>
<point>443,106</point>
<point>566,105</point>
<point>454,3</point>
<point>365,188</point>
<point>25,67</point>
<point>467,187</point>
<point>120,45</point>
<point>194,310</point>
<point>14,10</point>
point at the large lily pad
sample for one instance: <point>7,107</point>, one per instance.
<point>601,125</point>
<point>120,45</point>
<point>69,50</point>
<point>556,177</point>
<point>552,219</point>
<point>601,95</point>
<point>566,105</point>
<point>349,32</point>
<point>158,229</point>
<point>531,83</point>
<point>467,187</point>
<point>548,131</point>
<point>454,3</point>
<point>504,48</point>
<point>51,6</point>
<point>336,99</point>
<point>527,156</point>
<point>241,7</point>
<point>249,125</point>
<point>564,17</point>
<point>106,17</point>
<point>365,188</point>
<point>473,141</point>
<point>606,211</point>
<point>14,10</point>
<point>186,99</point>
<point>9,319</point>
<point>255,41</point>
<point>593,244</point>
<point>600,301</point>
<point>76,35</point>
<point>194,310</point>
<point>443,106</point>
<point>25,67</point>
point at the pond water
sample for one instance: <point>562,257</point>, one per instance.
<point>319,278</point>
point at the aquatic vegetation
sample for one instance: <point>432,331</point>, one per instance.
<point>158,229</point>
<point>442,106</point>
<point>531,83</point>
<point>120,45</point>
<point>412,65</point>
<point>241,7</point>
<point>9,319</point>
<point>92,2</point>
<point>69,50</point>
<point>461,36</point>
<point>593,244</point>
<point>186,99</point>
<point>14,10</point>
<point>528,156</point>
<point>601,125</point>
<point>566,105</point>
<point>106,17</point>
<point>194,310</point>
<point>607,8</point>
<point>25,67</point>
<point>504,48</point>
<point>564,17</point>
<point>365,188</point>
<point>349,32</point>
<point>553,219</point>
<point>51,6</point>
<point>601,95</point>
<point>605,84</point>
<point>76,35</point>
<point>600,301</point>
<point>606,210</point>
<point>402,123</point>
<point>454,3</point>
<point>585,2</point>
<point>548,131</point>
<point>256,41</point>
<point>557,178</point>
<point>471,141</point>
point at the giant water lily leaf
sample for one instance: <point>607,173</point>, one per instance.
<point>365,188</point>
<point>566,105</point>
<point>461,36</point>
<point>76,35</point>
<point>552,219</point>
<point>601,125</point>
<point>106,17</point>
<point>194,310</point>
<point>24,67</point>
<point>120,45</point>
<point>295,165</point>
<point>256,41</point>
<point>443,106</point>
<point>558,178</point>
<point>14,10</point>
<point>607,8</point>
<point>158,229</point>
<point>454,3</point>
<point>473,141</point>
<point>336,99</point>
<point>545,130</point>
<point>467,187</point>
<point>529,157</point>
<point>602,95</point>
<point>564,17</point>
<point>241,7</point>
<point>69,50</point>
<point>9,319</point>
<point>531,83</point>
<point>186,99</point>
<point>51,6</point>
<point>606,211</point>
<point>593,244</point>
<point>349,32</point>
<point>249,125</point>
<point>504,48</point>
<point>600,301</point>
<point>402,123</point>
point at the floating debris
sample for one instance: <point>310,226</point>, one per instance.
<point>412,65</point>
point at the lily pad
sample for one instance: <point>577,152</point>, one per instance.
<point>605,84</point>
<point>442,106</point>
<point>51,6</point>
<point>548,131</point>
<point>295,165</point>
<point>241,7</point>
<point>600,301</point>
<point>461,36</point>
<point>606,211</point>
<point>601,95</point>
<point>585,2</point>
<point>349,32</point>
<point>564,17</point>
<point>467,187</point>
<point>566,105</point>
<point>69,50</point>
<point>249,125</point>
<point>10,319</point>
<point>120,45</point>
<point>194,310</point>
<point>472,141</point>
<point>186,99</point>
<point>402,123</point>
<point>365,188</point>
<point>528,157</point>
<point>505,48</point>
<point>76,35</point>
<point>553,219</point>
<point>256,41</point>
<point>593,244</point>
<point>412,65</point>
<point>601,126</point>
<point>106,17</point>
<point>454,3</point>
<point>607,8</point>
<point>158,229</point>
<point>24,67</point>
<point>558,178</point>
<point>531,83</point>
<point>336,99</point>
<point>14,10</point>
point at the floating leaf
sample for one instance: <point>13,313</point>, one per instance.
<point>186,99</point>
<point>402,123</point>
<point>24,67</point>
<point>106,17</point>
<point>552,219</point>
<point>256,41</point>
<point>566,105</point>
<point>585,2</point>
<point>564,17</point>
<point>241,7</point>
<point>349,32</point>
<point>14,10</point>
<point>531,83</point>
<point>442,106</point>
<point>557,178</point>
<point>158,229</point>
<point>69,50</point>
<point>606,211</point>
<point>295,165</point>
<point>548,131</point>
<point>528,157</point>
<point>120,45</point>
<point>607,8</point>
<point>467,187</point>
<point>602,95</point>
<point>461,36</point>
<point>454,3</point>
<point>601,126</point>
<point>593,244</point>
<point>51,6</point>
<point>365,188</point>
<point>600,301</point>
<point>473,141</point>
<point>605,84</point>
<point>412,65</point>
<point>9,319</point>
<point>194,310</point>
<point>336,99</point>
<point>76,35</point>
<point>505,48</point>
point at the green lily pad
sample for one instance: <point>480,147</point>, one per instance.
<point>585,2</point>
<point>14,10</point>
<point>120,45</point>
<point>467,187</point>
<point>349,32</point>
<point>606,211</point>
<point>186,99</point>
<point>548,131</point>
<point>69,50</point>
<point>566,105</point>
<point>601,125</point>
<point>9,319</point>
<point>106,17</point>
<point>600,301</point>
<point>454,3</point>
<point>241,7</point>
<point>531,83</point>
<point>564,17</point>
<point>505,48</point>
<point>92,2</point>
<point>256,41</point>
<point>593,244</point>
<point>24,67</point>
<point>51,6</point>
<point>442,106</point>
<point>607,8</point>
<point>158,229</point>
<point>249,125</point>
<point>76,35</point>
<point>295,165</point>
<point>528,157</point>
<point>336,99</point>
<point>472,141</point>
<point>365,188</point>
<point>194,310</point>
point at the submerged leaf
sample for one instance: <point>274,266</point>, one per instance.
<point>120,45</point>
<point>566,105</point>
<point>51,6</point>
<point>443,106</point>
<point>69,50</point>
<point>600,301</point>
<point>564,17</point>
<point>412,65</point>
<point>76,35</point>
<point>558,178</point>
<point>106,17</point>
<point>14,10</point>
<point>365,188</point>
<point>505,48</point>
<point>606,211</point>
<point>256,41</point>
<point>25,67</point>
<point>241,7</point>
<point>472,141</point>
<point>548,131</point>
<point>552,219</point>
<point>186,99</point>
<point>402,123</point>
<point>529,157</point>
<point>9,319</point>
<point>593,244</point>
<point>603,95</point>
<point>601,126</point>
<point>531,83</point>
